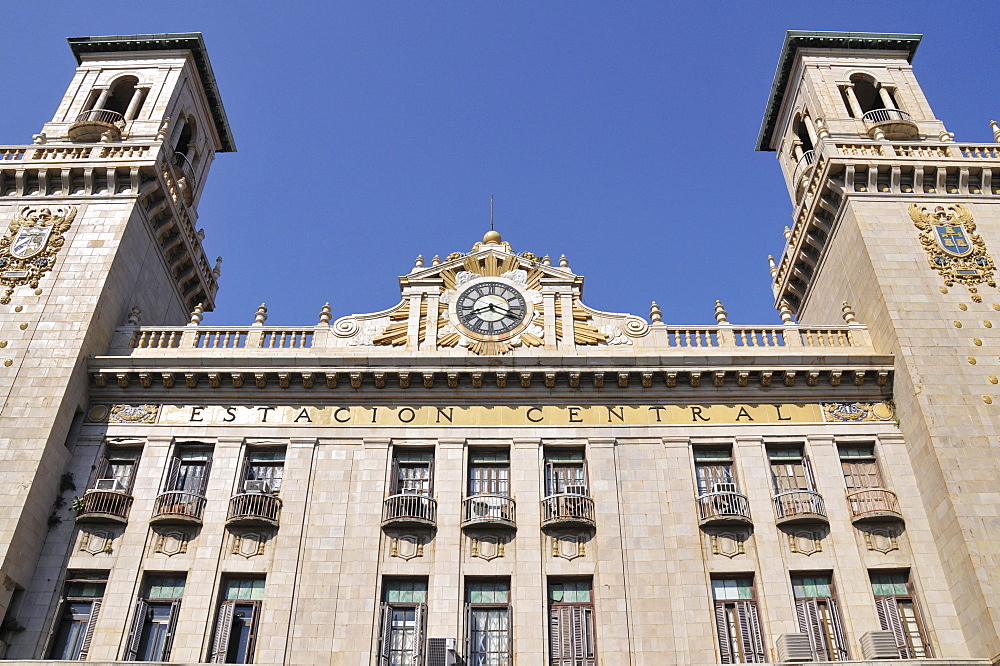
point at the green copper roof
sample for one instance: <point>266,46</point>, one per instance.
<point>804,39</point>
<point>182,41</point>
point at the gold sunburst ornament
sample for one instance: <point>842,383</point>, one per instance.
<point>28,250</point>
<point>953,248</point>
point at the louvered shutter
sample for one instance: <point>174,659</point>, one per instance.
<point>223,628</point>
<point>88,635</point>
<point>420,634</point>
<point>560,636</point>
<point>725,649</point>
<point>809,623</point>
<point>509,635</point>
<point>203,485</point>
<point>252,637</point>
<point>577,635</point>
<point>385,638</point>
<point>551,484</point>
<point>395,483</point>
<point>135,633</point>
<point>840,649</point>
<point>750,635</point>
<point>468,630</point>
<point>430,478</point>
<point>889,620</point>
<point>173,474</point>
<point>168,640</point>
<point>807,467</point>
<point>586,477</point>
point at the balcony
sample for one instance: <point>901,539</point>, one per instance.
<point>568,509</point>
<point>178,506</point>
<point>409,510</point>
<point>248,509</point>
<point>873,504</point>
<point>488,511</point>
<point>184,172</point>
<point>723,508</point>
<point>889,124</point>
<point>103,506</point>
<point>804,166</point>
<point>93,125</point>
<point>799,506</point>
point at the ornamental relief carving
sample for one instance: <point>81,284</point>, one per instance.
<point>487,547</point>
<point>729,543</point>
<point>98,541</point>
<point>28,250</point>
<point>953,248</point>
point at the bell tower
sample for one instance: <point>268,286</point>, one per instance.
<point>894,217</point>
<point>99,228</point>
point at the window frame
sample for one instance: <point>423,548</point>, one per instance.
<point>891,619</point>
<point>742,616</point>
<point>808,479</point>
<point>82,650</point>
<point>562,634</point>
<point>471,607</point>
<point>248,466</point>
<point>142,615</point>
<point>810,613</point>
<point>400,462</point>
<point>556,483</point>
<point>499,479</point>
<point>386,609</point>
<point>225,617</point>
<point>723,462</point>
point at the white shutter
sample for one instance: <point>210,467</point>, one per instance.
<point>223,628</point>
<point>385,636</point>
<point>750,634</point>
<point>840,649</point>
<point>420,634</point>
<point>88,635</point>
<point>725,649</point>
<point>168,640</point>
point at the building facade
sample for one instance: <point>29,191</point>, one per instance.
<point>490,472</point>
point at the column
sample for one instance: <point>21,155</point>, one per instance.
<point>102,99</point>
<point>135,102</point>
<point>852,100</point>
<point>883,92</point>
<point>529,595</point>
<point>811,130</point>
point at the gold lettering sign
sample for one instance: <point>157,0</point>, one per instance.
<point>483,415</point>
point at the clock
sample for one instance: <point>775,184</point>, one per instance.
<point>491,308</point>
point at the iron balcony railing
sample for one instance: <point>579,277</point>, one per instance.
<point>873,504</point>
<point>807,160</point>
<point>568,508</point>
<point>183,164</point>
<point>799,505</point>
<point>488,509</point>
<point>409,508</point>
<point>104,505</point>
<point>879,116</point>
<point>251,508</point>
<point>723,507</point>
<point>178,505</point>
<point>105,116</point>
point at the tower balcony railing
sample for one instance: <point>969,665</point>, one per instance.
<point>184,171</point>
<point>254,509</point>
<point>178,506</point>
<point>724,508</point>
<point>92,125</point>
<point>110,506</point>
<point>488,510</point>
<point>873,504</point>
<point>568,509</point>
<point>799,506</point>
<point>889,124</point>
<point>408,509</point>
<point>804,164</point>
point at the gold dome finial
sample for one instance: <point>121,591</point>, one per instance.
<point>492,237</point>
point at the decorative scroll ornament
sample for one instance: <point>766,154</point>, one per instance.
<point>133,414</point>
<point>28,251</point>
<point>953,248</point>
<point>857,411</point>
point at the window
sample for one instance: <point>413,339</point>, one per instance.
<point>413,472</point>
<point>489,473</point>
<point>571,624</point>
<point>116,470</point>
<point>789,470</point>
<point>487,623</point>
<point>263,470</point>
<point>897,612</point>
<point>860,469</point>
<point>818,616</point>
<point>236,622</point>
<point>714,469</point>
<point>189,471</point>
<point>155,619</point>
<point>77,616</point>
<point>404,619</point>
<point>565,472</point>
<point>740,638</point>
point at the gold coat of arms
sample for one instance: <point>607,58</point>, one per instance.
<point>29,248</point>
<point>953,248</point>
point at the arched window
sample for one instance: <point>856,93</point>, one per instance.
<point>866,93</point>
<point>802,133</point>
<point>121,95</point>
<point>186,139</point>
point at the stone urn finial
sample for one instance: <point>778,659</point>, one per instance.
<point>849,315</point>
<point>196,315</point>
<point>655,314</point>
<point>261,315</point>
<point>324,314</point>
<point>720,313</point>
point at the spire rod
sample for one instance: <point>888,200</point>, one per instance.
<point>491,212</point>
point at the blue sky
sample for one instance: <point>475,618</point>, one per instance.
<point>620,134</point>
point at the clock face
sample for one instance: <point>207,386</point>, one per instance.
<point>491,308</point>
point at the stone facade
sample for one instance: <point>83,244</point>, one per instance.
<point>491,461</point>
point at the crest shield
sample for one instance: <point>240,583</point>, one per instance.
<point>29,241</point>
<point>953,239</point>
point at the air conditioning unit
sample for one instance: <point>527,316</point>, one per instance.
<point>794,647</point>
<point>256,486</point>
<point>441,652</point>
<point>109,484</point>
<point>724,487</point>
<point>575,490</point>
<point>879,645</point>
